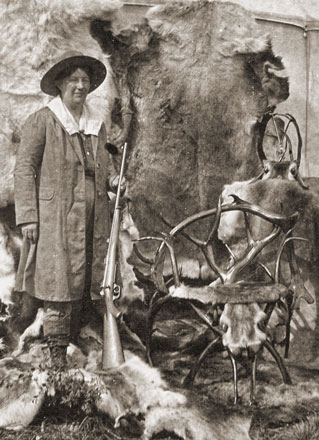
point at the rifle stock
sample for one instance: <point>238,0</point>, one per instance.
<point>112,348</point>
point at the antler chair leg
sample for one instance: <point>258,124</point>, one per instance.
<point>235,375</point>
<point>253,378</point>
<point>285,375</point>
<point>153,311</point>
<point>289,300</point>
<point>189,379</point>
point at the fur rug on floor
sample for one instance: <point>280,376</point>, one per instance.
<point>132,390</point>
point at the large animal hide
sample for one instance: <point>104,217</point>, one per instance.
<point>203,77</point>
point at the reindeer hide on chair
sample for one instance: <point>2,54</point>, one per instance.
<point>284,197</point>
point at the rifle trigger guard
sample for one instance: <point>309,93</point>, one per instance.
<point>116,291</point>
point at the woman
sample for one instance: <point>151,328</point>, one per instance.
<point>61,200</point>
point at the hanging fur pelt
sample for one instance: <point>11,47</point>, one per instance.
<point>200,75</point>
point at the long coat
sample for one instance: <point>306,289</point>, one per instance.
<point>50,190</point>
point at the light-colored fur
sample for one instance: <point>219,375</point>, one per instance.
<point>7,269</point>
<point>139,388</point>
<point>31,332</point>
<point>240,322</point>
<point>128,233</point>
<point>237,39</point>
<point>190,424</point>
<point>88,332</point>
<point>7,159</point>
<point>133,387</point>
<point>21,401</point>
<point>202,294</point>
<point>151,389</point>
<point>232,225</point>
<point>36,354</point>
<point>144,392</point>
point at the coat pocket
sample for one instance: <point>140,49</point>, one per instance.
<point>46,193</point>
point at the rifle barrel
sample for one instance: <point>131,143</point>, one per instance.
<point>112,349</point>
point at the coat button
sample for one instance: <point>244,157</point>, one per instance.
<point>99,193</point>
<point>98,165</point>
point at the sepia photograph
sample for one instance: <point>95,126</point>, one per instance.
<point>159,220</point>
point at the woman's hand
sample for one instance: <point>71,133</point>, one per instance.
<point>30,231</point>
<point>114,181</point>
<point>121,139</point>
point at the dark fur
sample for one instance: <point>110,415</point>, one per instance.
<point>198,79</point>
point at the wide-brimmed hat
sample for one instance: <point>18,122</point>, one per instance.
<point>76,59</point>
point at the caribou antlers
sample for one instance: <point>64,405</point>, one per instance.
<point>280,223</point>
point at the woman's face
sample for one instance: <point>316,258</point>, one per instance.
<point>75,88</point>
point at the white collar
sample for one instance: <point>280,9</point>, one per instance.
<point>89,122</point>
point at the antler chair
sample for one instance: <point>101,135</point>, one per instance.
<point>246,306</point>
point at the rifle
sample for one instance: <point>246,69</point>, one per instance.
<point>112,348</point>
